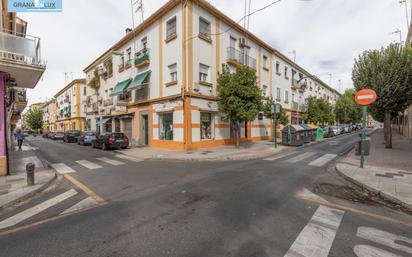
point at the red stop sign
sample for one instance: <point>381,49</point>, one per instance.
<point>365,97</point>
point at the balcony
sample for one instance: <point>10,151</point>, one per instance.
<point>303,108</point>
<point>20,58</point>
<point>236,57</point>
<point>143,93</point>
<point>295,106</point>
<point>301,86</point>
<point>142,58</point>
<point>108,102</point>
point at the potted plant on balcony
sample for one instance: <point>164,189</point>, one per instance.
<point>95,81</point>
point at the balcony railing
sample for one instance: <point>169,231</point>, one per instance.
<point>142,58</point>
<point>295,106</point>
<point>303,107</point>
<point>19,47</point>
<point>142,93</point>
<point>108,102</point>
<point>241,58</point>
<point>298,85</point>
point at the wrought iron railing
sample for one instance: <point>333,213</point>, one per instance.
<point>240,57</point>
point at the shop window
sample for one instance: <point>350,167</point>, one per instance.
<point>205,125</point>
<point>166,126</point>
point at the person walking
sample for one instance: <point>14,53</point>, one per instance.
<point>19,137</point>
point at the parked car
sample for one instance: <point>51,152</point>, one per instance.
<point>58,135</point>
<point>86,138</point>
<point>71,136</point>
<point>346,128</point>
<point>111,140</point>
<point>335,130</point>
<point>50,134</point>
<point>327,131</point>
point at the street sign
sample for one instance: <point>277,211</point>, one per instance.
<point>275,108</point>
<point>365,97</point>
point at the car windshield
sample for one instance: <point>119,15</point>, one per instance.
<point>118,135</point>
<point>90,134</point>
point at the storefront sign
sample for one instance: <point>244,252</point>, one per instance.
<point>34,5</point>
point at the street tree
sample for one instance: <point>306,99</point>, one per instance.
<point>319,111</point>
<point>388,71</point>
<point>346,110</point>
<point>34,118</point>
<point>239,97</point>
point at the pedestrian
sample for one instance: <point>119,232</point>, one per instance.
<point>19,137</point>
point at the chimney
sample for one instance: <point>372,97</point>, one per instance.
<point>128,30</point>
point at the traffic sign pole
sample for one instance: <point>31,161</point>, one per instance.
<point>276,126</point>
<point>362,159</point>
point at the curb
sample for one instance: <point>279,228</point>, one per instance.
<point>386,196</point>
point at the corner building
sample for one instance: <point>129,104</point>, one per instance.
<point>158,83</point>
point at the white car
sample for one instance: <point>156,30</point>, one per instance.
<point>335,130</point>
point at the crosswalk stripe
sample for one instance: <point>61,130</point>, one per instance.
<point>301,157</point>
<point>272,158</point>
<point>316,238</point>
<point>110,161</point>
<point>129,158</point>
<point>85,203</point>
<point>88,164</point>
<point>368,251</point>
<point>62,168</point>
<point>319,162</point>
<point>21,216</point>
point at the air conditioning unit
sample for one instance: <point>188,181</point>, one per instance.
<point>101,69</point>
<point>242,42</point>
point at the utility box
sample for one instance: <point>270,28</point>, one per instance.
<point>319,134</point>
<point>308,133</point>
<point>293,135</point>
<point>314,131</point>
<point>367,146</point>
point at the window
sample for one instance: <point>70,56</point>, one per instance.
<point>264,90</point>
<point>173,72</point>
<point>84,91</point>
<point>166,126</point>
<point>205,125</point>
<point>277,68</point>
<point>265,62</point>
<point>278,93</point>
<point>171,27</point>
<point>203,72</point>
<point>286,72</point>
<point>129,54</point>
<point>286,96</point>
<point>121,61</point>
<point>144,43</point>
<point>293,97</point>
<point>204,27</point>
<point>293,73</point>
<point>300,100</point>
<point>232,42</point>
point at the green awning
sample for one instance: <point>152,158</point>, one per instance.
<point>120,86</point>
<point>139,79</point>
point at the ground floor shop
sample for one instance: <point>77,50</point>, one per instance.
<point>77,123</point>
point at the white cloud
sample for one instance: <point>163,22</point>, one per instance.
<point>326,34</point>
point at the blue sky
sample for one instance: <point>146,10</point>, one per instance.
<point>326,34</point>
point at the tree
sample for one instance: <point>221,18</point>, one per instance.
<point>319,111</point>
<point>282,117</point>
<point>346,110</point>
<point>388,71</point>
<point>239,97</point>
<point>34,118</point>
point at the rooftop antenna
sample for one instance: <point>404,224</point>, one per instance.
<point>137,6</point>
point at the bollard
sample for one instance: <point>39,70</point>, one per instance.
<point>30,173</point>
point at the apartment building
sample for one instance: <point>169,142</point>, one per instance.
<point>69,107</point>
<point>49,115</point>
<point>158,83</point>
<point>21,67</point>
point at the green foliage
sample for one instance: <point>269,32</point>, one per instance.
<point>319,111</point>
<point>34,118</point>
<point>388,71</point>
<point>95,81</point>
<point>239,97</point>
<point>109,67</point>
<point>346,110</point>
<point>282,117</point>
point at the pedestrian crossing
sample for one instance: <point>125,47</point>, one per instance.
<point>310,158</point>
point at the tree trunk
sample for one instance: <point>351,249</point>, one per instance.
<point>237,135</point>
<point>388,130</point>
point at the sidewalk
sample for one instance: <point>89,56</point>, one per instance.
<point>14,188</point>
<point>387,172</point>
<point>247,151</point>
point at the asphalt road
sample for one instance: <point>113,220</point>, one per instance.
<point>171,208</point>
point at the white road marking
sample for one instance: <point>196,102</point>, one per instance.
<point>316,238</point>
<point>319,162</point>
<point>88,164</point>
<point>62,168</point>
<point>301,157</point>
<point>129,158</point>
<point>21,216</point>
<point>384,238</point>
<point>272,158</point>
<point>360,97</point>
<point>370,251</point>
<point>85,203</point>
<point>110,161</point>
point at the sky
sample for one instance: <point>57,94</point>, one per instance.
<point>327,35</point>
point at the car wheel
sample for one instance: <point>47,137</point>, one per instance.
<point>104,147</point>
